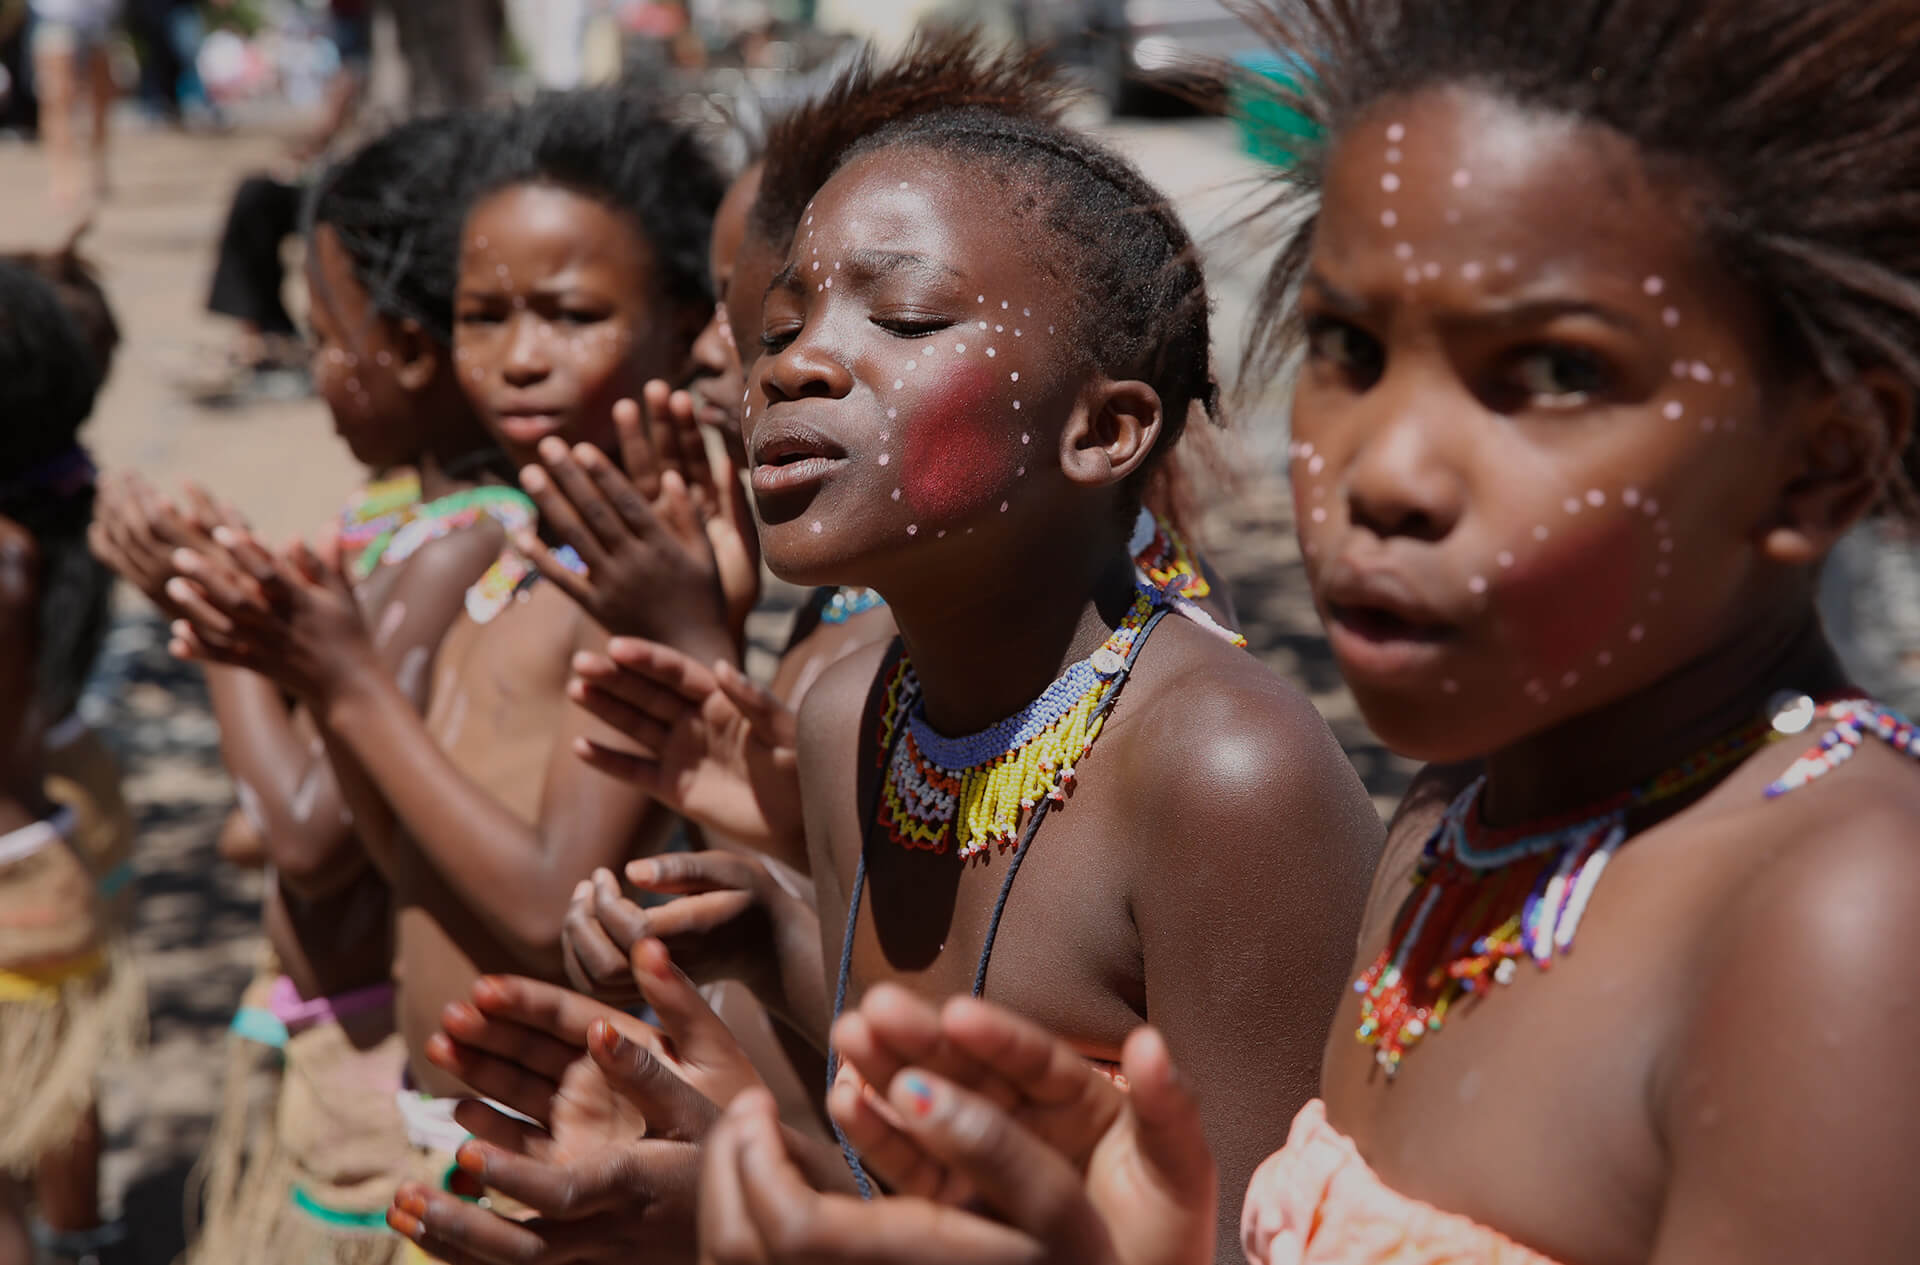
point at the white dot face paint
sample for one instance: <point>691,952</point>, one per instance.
<point>815,527</point>
<point>1396,132</point>
<point>1390,182</point>
<point>390,620</point>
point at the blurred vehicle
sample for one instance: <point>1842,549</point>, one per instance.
<point>1143,54</point>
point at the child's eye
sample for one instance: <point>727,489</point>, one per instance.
<point>1560,376</point>
<point>480,316</point>
<point>1345,347</point>
<point>912,327</point>
<point>776,340</point>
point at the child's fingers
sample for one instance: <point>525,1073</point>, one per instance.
<point>187,596</point>
<point>602,963</point>
<point>553,570</point>
<point>557,513</point>
<point>539,1052</point>
<point>903,1029</point>
<point>621,765</point>
<point>618,493</point>
<point>637,690</point>
<point>688,873</point>
<point>253,558</point>
<point>497,1129</point>
<point>1028,1183</point>
<point>727,1237</point>
<point>664,665</point>
<point>634,430</point>
<point>771,720</point>
<point>886,1150</point>
<point>456,1232</point>
<point>613,710</point>
<point>1172,1141</point>
<point>1045,1069</point>
<point>224,585</point>
<point>625,921</point>
<point>656,399</point>
<point>508,1083</point>
<point>697,1035</point>
<point>695,467</point>
<point>672,1108</point>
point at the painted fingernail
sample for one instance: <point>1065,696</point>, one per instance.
<point>920,1096</point>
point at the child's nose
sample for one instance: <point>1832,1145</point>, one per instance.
<point>1399,484</point>
<point>526,361</point>
<point>803,369</point>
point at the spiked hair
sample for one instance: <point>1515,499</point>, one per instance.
<point>1793,124</point>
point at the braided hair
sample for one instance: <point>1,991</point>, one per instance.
<point>393,205</point>
<point>1792,125</point>
<point>1114,239</point>
<point>620,145</point>
<point>49,377</point>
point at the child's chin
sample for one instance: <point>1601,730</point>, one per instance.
<point>1421,721</point>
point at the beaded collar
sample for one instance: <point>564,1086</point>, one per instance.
<point>1485,898</point>
<point>510,579</point>
<point>375,510</point>
<point>439,518</point>
<point>848,601</point>
<point>977,788</point>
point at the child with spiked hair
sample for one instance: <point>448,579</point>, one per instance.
<point>1612,323</point>
<point>65,1009</point>
<point>939,414</point>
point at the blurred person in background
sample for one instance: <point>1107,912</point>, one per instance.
<point>19,107</point>
<point>69,42</point>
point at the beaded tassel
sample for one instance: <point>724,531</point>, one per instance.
<point>979,788</point>
<point>847,602</point>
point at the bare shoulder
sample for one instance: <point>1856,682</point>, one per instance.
<point>830,713</point>
<point>1238,753</point>
<point>452,563</point>
<point>1789,1070</point>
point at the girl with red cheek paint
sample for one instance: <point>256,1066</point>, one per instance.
<point>1587,397</point>
<point>958,400</point>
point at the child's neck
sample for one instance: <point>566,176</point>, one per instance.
<point>983,651</point>
<point>1623,743</point>
<point>453,464</point>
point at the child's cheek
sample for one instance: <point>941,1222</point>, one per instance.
<point>1568,604</point>
<point>961,442</point>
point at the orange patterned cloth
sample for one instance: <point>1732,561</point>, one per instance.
<point>1316,1202</point>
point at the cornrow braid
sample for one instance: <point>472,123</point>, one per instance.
<point>940,70</point>
<point>1793,124</point>
<point>1146,313</point>
<point>393,205</point>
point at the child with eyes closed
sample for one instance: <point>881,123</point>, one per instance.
<point>580,279</point>
<point>1612,330</point>
<point>715,746</point>
<point>381,254</point>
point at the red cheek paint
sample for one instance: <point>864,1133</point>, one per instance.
<point>961,441</point>
<point>1575,598</point>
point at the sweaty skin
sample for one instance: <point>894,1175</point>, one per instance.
<point>1215,824</point>
<point>1577,365</point>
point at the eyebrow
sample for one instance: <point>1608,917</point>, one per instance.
<point>1520,313</point>
<point>881,263</point>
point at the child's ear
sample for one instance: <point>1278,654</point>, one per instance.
<point>1851,443</point>
<point>418,354</point>
<point>1111,434</point>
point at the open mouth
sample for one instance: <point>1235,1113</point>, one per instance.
<point>526,428</point>
<point>789,458</point>
<point>1377,624</point>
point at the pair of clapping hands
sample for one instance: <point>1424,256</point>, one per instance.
<point>999,1142</point>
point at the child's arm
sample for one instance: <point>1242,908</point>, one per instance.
<point>1786,1102</point>
<point>1252,850</point>
<point>316,831</point>
<point>517,876</point>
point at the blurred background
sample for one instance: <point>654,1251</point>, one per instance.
<point>192,117</point>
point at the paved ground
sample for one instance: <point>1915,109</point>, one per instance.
<point>196,927</point>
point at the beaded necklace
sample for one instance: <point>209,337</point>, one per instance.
<point>978,787</point>
<point>1484,898</point>
<point>439,518</point>
<point>375,511</point>
<point>510,579</point>
<point>848,601</point>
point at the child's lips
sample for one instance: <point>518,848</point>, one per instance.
<point>792,476</point>
<point>1379,626</point>
<point>789,457</point>
<point>529,428</point>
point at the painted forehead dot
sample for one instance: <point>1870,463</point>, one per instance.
<point>903,184</point>
<point>1477,584</point>
<point>1319,514</point>
<point>981,299</point>
<point>1016,331</point>
<point>1670,317</point>
<point>1012,377</point>
<point>913,529</point>
<point>1016,406</point>
<point>1316,464</point>
<point>898,383</point>
<point>1571,505</point>
<point>981,324</point>
<point>999,329</point>
<point>1430,270</point>
<point>912,365</point>
<point>1540,532</point>
<point>814,527</point>
<point>1003,305</point>
<point>481,241</point>
<point>885,458</point>
<point>1396,132</point>
<point>892,413</point>
<point>1388,218</point>
<point>896,494</point>
<point>1673,410</point>
<point>1505,558</point>
<point>960,347</point>
<point>1021,472</point>
<point>1470,271</point>
<point>1596,498</point>
<point>1403,251</point>
<point>1507,263</point>
<point>1025,438</point>
<point>1390,182</point>
<point>1462,178</point>
<point>1026,311</point>
<point>1393,155</point>
<point>1653,285</point>
<point>991,352</point>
